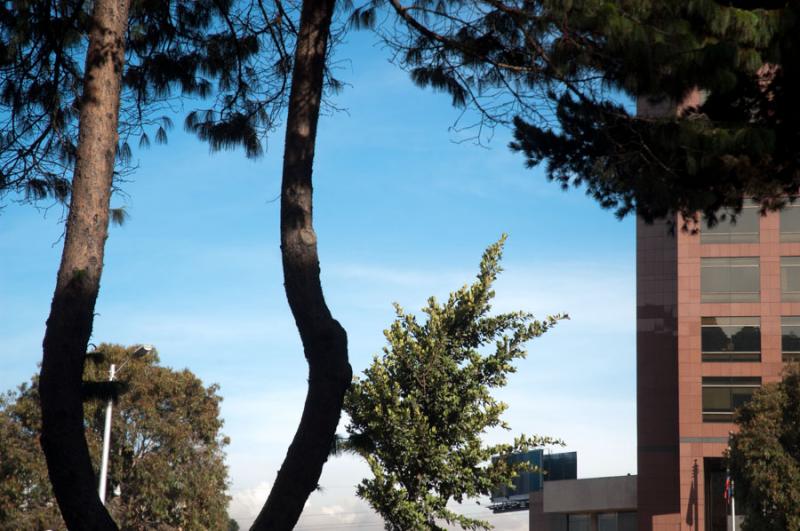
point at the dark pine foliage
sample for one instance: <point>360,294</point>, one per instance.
<point>565,76</point>
<point>227,61</point>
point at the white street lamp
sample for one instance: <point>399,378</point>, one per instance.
<point>141,351</point>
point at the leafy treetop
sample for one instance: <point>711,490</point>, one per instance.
<point>166,450</point>
<point>418,414</point>
<point>764,456</point>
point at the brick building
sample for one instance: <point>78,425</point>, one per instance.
<point>718,314</point>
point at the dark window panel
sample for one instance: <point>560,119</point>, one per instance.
<point>790,338</point>
<point>722,395</point>
<point>731,339</point>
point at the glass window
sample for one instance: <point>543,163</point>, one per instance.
<point>556,522</point>
<point>627,521</point>
<point>790,223</point>
<point>729,279</point>
<point>731,338</point>
<point>607,522</point>
<point>732,227</point>
<point>579,522</point>
<point>790,338</point>
<point>790,278</point>
<point>723,394</point>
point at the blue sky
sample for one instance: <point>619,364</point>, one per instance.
<point>402,211</point>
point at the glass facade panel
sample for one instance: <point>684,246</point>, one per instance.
<point>732,227</point>
<point>616,521</point>
<point>731,338</point>
<point>730,279</point>
<point>579,522</point>
<point>790,223</point>
<point>722,395</point>
<point>790,338</point>
<point>627,521</point>
<point>790,278</point>
<point>607,522</point>
<point>557,522</point>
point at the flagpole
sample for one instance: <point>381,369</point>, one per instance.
<point>729,485</point>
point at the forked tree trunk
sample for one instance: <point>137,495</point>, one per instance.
<point>72,311</point>
<point>324,340</point>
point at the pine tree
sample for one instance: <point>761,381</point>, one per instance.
<point>79,79</point>
<point>69,106</point>
<point>563,74</point>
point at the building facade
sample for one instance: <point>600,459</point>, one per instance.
<point>593,504</point>
<point>718,315</point>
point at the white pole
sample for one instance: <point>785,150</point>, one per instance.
<point>733,506</point>
<point>106,443</point>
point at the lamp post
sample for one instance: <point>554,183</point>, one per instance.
<point>101,491</point>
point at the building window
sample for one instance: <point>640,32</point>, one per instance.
<point>729,279</point>
<point>790,223</point>
<point>723,394</point>
<point>790,278</point>
<point>616,521</point>
<point>731,338</point>
<point>743,230</point>
<point>790,338</point>
<point>579,522</point>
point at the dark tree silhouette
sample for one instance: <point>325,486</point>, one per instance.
<point>324,340</point>
<point>61,102</point>
<point>560,73</point>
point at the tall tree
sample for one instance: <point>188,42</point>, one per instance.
<point>560,73</point>
<point>194,50</point>
<point>324,339</point>
<point>167,450</point>
<point>418,413</point>
<point>59,116</point>
<point>69,325</point>
<point>764,456</point>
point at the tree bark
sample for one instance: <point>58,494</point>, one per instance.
<point>69,326</point>
<point>324,339</point>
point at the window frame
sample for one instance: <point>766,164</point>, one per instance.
<point>716,235</point>
<point>729,356</point>
<point>787,355</point>
<point>788,236</point>
<point>731,383</point>
<point>788,263</point>
<point>707,263</point>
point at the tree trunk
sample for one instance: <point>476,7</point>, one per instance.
<point>72,311</point>
<point>324,339</point>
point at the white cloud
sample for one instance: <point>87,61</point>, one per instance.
<point>246,503</point>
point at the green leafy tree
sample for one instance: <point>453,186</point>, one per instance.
<point>166,454</point>
<point>764,456</point>
<point>418,413</point>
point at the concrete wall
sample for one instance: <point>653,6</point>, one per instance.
<point>610,494</point>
